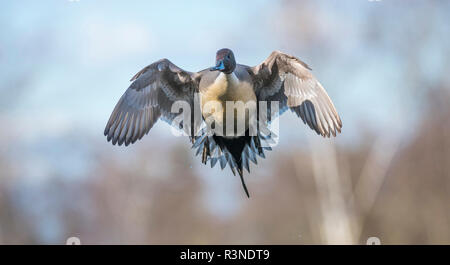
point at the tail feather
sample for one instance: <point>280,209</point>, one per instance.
<point>236,152</point>
<point>243,181</point>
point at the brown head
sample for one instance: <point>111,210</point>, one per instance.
<point>225,61</point>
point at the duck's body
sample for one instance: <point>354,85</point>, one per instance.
<point>236,88</point>
<point>226,91</point>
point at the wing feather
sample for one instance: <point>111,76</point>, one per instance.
<point>149,97</point>
<point>288,80</point>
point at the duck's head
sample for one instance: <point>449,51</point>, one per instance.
<point>225,61</point>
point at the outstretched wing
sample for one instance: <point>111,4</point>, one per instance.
<point>151,95</point>
<point>288,80</point>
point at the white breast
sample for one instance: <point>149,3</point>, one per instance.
<point>228,88</point>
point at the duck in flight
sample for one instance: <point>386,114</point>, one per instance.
<point>281,78</point>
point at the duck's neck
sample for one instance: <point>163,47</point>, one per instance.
<point>230,78</point>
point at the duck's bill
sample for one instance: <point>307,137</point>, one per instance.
<point>218,67</point>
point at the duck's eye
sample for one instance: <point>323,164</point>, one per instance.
<point>228,56</point>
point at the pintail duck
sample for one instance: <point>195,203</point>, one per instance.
<point>282,78</point>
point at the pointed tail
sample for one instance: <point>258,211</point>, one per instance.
<point>236,152</point>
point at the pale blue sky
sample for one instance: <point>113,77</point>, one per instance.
<point>79,56</point>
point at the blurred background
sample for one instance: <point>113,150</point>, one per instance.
<point>64,64</point>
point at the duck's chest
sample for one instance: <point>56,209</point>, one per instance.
<point>228,88</point>
<point>228,94</point>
